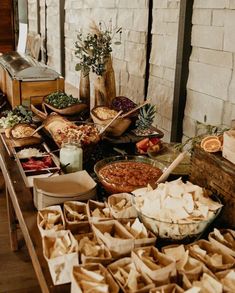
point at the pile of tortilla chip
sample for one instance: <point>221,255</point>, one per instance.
<point>137,229</point>
<point>121,206</point>
<point>176,202</point>
<point>114,235</point>
<point>92,251</point>
<point>50,219</point>
<point>159,267</point>
<point>126,274</point>
<point>93,279</point>
<point>60,244</point>
<point>227,278</point>
<point>223,239</point>
<point>182,258</point>
<point>75,211</point>
<point>101,213</point>
<point>207,284</point>
<point>169,288</point>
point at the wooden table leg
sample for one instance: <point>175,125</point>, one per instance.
<point>12,223</point>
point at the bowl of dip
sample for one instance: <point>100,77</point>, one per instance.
<point>126,173</point>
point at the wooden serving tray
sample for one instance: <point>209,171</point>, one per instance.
<point>8,143</point>
<point>28,175</point>
<point>130,137</point>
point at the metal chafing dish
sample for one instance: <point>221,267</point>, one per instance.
<point>23,67</point>
<point>22,78</point>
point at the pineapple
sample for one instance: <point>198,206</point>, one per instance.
<point>146,117</point>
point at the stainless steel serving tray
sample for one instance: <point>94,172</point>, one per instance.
<point>23,67</point>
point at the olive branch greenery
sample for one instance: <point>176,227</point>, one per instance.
<point>93,50</point>
<point>206,129</point>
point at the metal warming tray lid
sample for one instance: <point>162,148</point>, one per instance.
<point>25,68</point>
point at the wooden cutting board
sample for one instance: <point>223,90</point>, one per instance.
<point>130,137</point>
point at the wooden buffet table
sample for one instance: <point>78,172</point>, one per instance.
<point>20,207</point>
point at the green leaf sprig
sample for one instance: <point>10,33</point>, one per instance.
<point>93,51</point>
<point>206,129</point>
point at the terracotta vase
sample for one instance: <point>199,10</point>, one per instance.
<point>84,88</point>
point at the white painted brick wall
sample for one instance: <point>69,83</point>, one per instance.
<point>129,58</point>
<point>231,4</point>
<point>218,17</point>
<point>189,126</point>
<point>160,3</point>
<point>202,16</point>
<point>208,79</point>
<point>216,58</point>
<point>229,35</point>
<point>162,60</point>
<point>200,106</point>
<point>211,83</point>
<point>210,4</point>
<point>207,37</point>
<point>132,3</point>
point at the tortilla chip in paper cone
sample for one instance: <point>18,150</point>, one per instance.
<point>227,279</point>
<point>160,268</point>
<point>128,277</point>
<point>93,278</point>
<point>192,267</point>
<point>214,258</point>
<point>121,206</point>
<point>91,251</point>
<point>50,220</point>
<point>142,236</point>
<point>118,240</point>
<point>169,288</point>
<point>208,284</point>
<point>224,240</point>
<point>98,211</point>
<point>61,253</point>
<point>76,219</point>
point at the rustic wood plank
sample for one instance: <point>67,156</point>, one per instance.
<point>12,223</point>
<point>181,72</point>
<point>16,271</point>
<point>26,214</point>
<point>40,88</point>
<point>6,26</point>
<point>212,171</point>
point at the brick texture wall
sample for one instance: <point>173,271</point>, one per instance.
<point>129,58</point>
<point>162,60</point>
<point>211,82</point>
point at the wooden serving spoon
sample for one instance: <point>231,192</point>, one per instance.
<point>172,166</point>
<point>37,129</point>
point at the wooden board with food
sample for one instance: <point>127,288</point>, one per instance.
<point>64,104</point>
<point>62,129</point>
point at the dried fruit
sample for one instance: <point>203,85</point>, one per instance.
<point>212,145</point>
<point>207,138</point>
